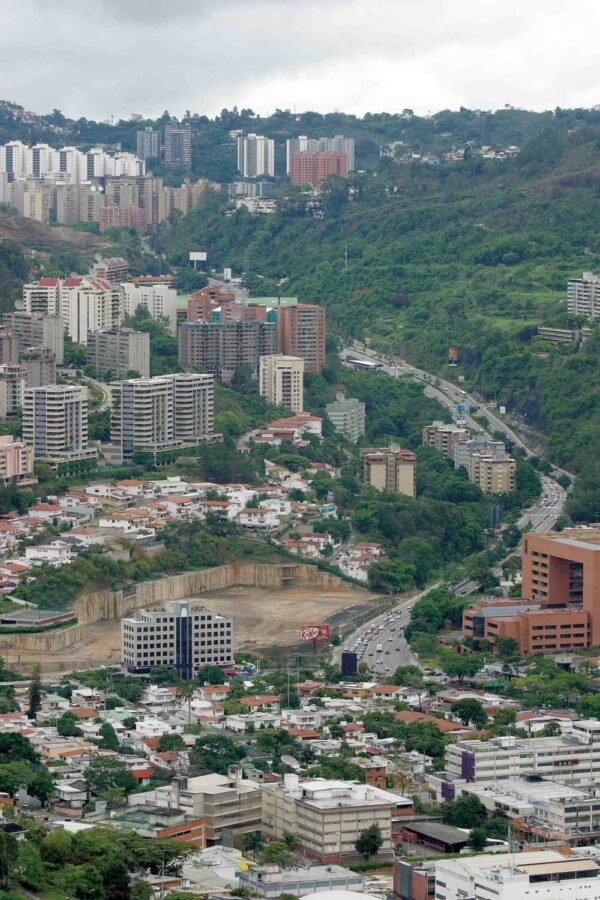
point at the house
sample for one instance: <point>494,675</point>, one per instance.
<point>266,702</point>
<point>258,518</point>
<point>72,794</point>
<point>56,552</point>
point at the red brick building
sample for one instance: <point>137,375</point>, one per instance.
<point>302,332</point>
<point>308,167</point>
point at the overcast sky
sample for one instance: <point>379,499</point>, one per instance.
<point>97,58</point>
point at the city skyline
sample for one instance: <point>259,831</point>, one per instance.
<point>387,56</point>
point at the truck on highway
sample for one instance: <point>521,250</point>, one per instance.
<point>379,648</point>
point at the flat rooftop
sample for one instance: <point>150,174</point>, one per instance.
<point>510,789</point>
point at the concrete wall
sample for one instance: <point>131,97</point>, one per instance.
<point>94,607</point>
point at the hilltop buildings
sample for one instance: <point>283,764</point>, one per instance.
<point>487,463</point>
<point>339,145</point>
<point>389,469</point>
<point>255,155</point>
<point>178,145</point>
<point>313,168</point>
<point>583,296</point>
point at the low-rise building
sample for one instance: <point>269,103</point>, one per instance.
<point>272,881</point>
<point>444,437</point>
<point>347,415</point>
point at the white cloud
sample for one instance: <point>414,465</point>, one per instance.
<point>95,58</point>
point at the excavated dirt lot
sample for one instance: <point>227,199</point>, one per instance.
<point>262,617</point>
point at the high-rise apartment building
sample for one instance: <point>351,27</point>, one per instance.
<point>117,352</point>
<point>159,299</point>
<point>389,469</point>
<point>113,269</point>
<point>204,302</point>
<point>40,366</point>
<point>12,388</point>
<point>444,437</point>
<point>42,297</point>
<point>492,473</point>
<point>302,332</point>
<point>281,381</point>
<point>222,347</point>
<point>347,417</point>
<point>87,304</point>
<point>180,635</point>
<point>76,203</point>
<point>9,346</point>
<point>178,145</point>
<point>55,422</point>
<point>37,330</point>
<point>304,144</point>
<point>148,144</point>
<point>16,461</point>
<point>255,155</point>
<point>313,168</point>
<point>583,295</point>
<point>153,415</point>
<point>41,161</point>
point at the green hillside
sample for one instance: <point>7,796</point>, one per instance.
<point>477,254</point>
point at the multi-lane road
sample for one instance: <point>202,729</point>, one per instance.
<point>381,643</point>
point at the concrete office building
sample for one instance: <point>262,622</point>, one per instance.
<point>40,366</point>
<point>178,145</point>
<point>222,347</point>
<point>16,461</point>
<point>115,352</point>
<point>12,388</point>
<point>159,299</point>
<point>337,144</point>
<point>468,876</point>
<point>572,759</point>
<point>181,635</point>
<point>583,296</point>
<point>152,415</point>
<point>444,437</point>
<point>270,882</point>
<point>55,422</point>
<point>389,469</point>
<point>327,816</point>
<point>226,803</point>
<point>255,155</point>
<point>281,381</point>
<point>314,168</point>
<point>347,417</point>
<point>37,330</point>
<point>148,144</point>
<point>301,332</point>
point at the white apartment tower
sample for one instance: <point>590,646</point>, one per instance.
<point>256,155</point>
<point>583,296</point>
<point>281,381</point>
<point>159,299</point>
<point>55,421</point>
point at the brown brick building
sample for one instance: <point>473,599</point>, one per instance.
<point>219,348</point>
<point>308,167</point>
<point>302,332</point>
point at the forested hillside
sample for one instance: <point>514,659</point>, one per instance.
<point>476,254</point>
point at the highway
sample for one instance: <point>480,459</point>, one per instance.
<point>381,643</point>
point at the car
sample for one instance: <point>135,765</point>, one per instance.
<point>371,653</point>
<point>387,652</point>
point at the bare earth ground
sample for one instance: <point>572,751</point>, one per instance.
<point>261,616</point>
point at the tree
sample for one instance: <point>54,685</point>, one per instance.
<point>30,869</point>
<point>141,890</point>
<point>216,752</point>
<point>504,719</point>
<point>35,693</point>
<point>461,665</point>
<point>41,785</point>
<point>8,857</point>
<point>506,647</point>
<point>466,812</point>
<point>67,725</point>
<point>16,748</point>
<point>83,881</point>
<point>392,576</point>
<point>210,675</point>
<point>477,839</point>
<point>275,853</point>
<point>108,737</point>
<point>471,711</point>
<point>170,742</point>
<point>106,772</point>
<point>369,841</point>
<point>129,723</point>
<point>56,847</point>
<point>253,841</point>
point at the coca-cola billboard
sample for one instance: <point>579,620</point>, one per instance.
<point>315,633</point>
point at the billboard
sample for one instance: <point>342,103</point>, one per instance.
<point>197,256</point>
<point>314,633</point>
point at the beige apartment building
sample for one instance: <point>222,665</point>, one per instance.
<point>444,437</point>
<point>493,474</point>
<point>389,469</point>
<point>326,816</point>
<point>118,351</point>
<point>281,381</point>
<point>55,422</point>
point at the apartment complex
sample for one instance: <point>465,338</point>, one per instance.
<point>302,332</point>
<point>19,160</point>
<point>444,437</point>
<point>583,295</point>
<point>153,415</point>
<point>222,347</point>
<point>347,416</point>
<point>87,304</point>
<point>281,381</point>
<point>117,352</point>
<point>389,469</point>
<point>313,168</point>
<point>255,155</point>
<point>55,422</point>
<point>326,816</point>
<point>303,144</point>
<point>148,144</point>
<point>40,366</point>
<point>181,635</point>
<point>159,299</point>
<point>178,145</point>
<point>16,461</point>
<point>12,388</point>
<point>42,297</point>
<point>226,803</point>
<point>36,330</point>
<point>204,304</point>
<point>493,474</point>
<point>572,759</point>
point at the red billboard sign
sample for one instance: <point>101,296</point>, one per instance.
<point>315,633</point>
